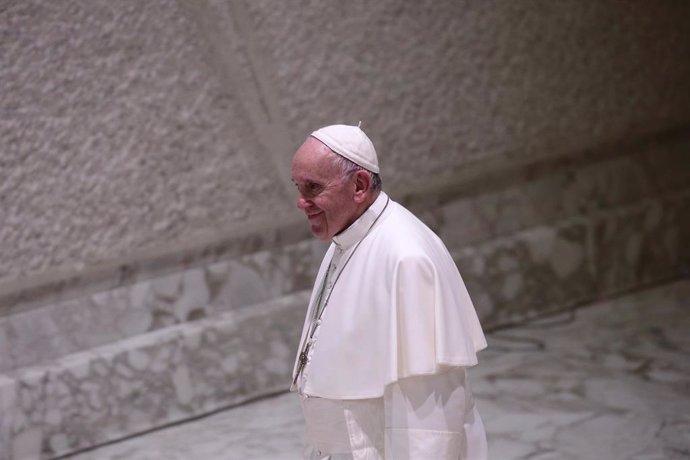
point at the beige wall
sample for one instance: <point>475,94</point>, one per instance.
<point>134,126</point>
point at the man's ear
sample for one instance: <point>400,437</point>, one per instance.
<point>362,185</point>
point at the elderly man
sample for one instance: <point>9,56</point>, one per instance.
<point>390,329</point>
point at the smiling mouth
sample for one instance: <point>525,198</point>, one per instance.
<point>313,216</point>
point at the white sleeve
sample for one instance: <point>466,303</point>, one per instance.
<point>433,417</point>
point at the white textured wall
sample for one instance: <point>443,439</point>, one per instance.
<point>128,125</point>
<point>444,83</point>
<point>116,134</point>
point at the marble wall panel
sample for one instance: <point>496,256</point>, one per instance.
<point>569,189</point>
<point>550,268</point>
<point>262,276</point>
<point>39,335</point>
<point>543,267</point>
<point>27,416</point>
<point>522,276</point>
<point>196,250</point>
<point>7,392</point>
<point>643,244</point>
<point>154,379</point>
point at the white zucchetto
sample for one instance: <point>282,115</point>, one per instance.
<point>351,143</point>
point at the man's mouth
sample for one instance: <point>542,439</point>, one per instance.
<point>314,215</point>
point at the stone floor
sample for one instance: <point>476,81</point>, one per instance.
<point>608,381</point>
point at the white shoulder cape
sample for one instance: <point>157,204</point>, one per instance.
<point>399,309</point>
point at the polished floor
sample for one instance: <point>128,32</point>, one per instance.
<point>608,381</point>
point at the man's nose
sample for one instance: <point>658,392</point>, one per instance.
<point>302,203</point>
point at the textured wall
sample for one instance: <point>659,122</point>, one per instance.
<point>126,126</point>
<point>442,84</point>
<point>115,135</point>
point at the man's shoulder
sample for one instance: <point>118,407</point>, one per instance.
<point>399,214</point>
<point>403,235</point>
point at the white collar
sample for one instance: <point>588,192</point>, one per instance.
<point>356,231</point>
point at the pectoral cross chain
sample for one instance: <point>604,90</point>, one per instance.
<point>302,363</point>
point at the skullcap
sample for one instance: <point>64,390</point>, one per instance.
<point>350,142</point>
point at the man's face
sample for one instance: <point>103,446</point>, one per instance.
<point>324,195</point>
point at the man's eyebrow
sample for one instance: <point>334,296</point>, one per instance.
<point>306,181</point>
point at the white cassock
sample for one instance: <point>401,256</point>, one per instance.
<point>389,334</point>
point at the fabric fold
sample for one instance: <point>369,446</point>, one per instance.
<point>382,325</point>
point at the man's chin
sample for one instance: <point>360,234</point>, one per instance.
<point>319,233</point>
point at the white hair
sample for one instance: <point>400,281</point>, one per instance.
<point>347,166</point>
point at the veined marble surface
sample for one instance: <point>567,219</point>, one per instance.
<point>540,269</point>
<point>173,374</point>
<point>43,335</point>
<point>606,382</point>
